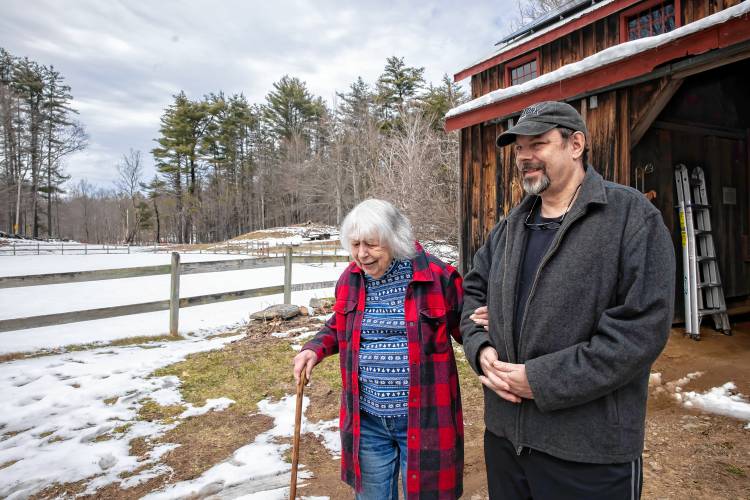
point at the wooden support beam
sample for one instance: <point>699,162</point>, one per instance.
<point>717,63</point>
<point>288,276</point>
<point>622,168</point>
<point>174,295</point>
<point>653,108</point>
<point>698,129</point>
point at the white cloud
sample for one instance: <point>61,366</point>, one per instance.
<point>112,115</point>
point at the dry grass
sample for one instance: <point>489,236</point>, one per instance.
<point>7,464</point>
<point>152,411</point>
<point>246,371</point>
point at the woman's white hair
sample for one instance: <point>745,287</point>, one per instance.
<point>378,219</point>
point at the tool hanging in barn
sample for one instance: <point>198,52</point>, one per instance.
<point>704,294</point>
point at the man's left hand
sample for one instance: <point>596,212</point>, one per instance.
<point>515,376</point>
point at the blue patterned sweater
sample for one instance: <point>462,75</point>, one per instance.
<point>383,355</point>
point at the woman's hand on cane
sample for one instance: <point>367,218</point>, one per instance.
<point>306,361</point>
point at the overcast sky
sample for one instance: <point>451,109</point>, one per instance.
<point>125,59</point>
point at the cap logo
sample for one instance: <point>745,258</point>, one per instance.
<point>532,110</point>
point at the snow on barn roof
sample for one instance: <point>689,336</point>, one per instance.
<point>605,57</point>
<point>558,16</point>
<point>541,26</point>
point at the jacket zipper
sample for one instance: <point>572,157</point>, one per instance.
<point>546,257</point>
<point>505,266</point>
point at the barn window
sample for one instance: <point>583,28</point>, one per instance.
<point>522,69</point>
<point>651,18</point>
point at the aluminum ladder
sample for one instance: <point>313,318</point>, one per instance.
<point>703,291</point>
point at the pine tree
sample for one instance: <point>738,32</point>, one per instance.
<point>397,88</point>
<point>184,124</point>
<point>154,191</point>
<point>437,101</point>
<point>291,111</point>
<point>61,136</point>
<point>28,84</point>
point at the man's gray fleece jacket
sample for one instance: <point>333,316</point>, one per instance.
<point>597,316</point>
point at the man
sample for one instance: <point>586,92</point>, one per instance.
<point>579,286</point>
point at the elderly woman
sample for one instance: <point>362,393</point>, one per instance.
<point>396,308</point>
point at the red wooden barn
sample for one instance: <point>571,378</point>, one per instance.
<point>659,83</point>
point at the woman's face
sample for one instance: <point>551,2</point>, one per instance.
<point>369,255</point>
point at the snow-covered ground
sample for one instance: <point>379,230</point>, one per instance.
<point>57,409</point>
<point>69,417</point>
<point>282,236</point>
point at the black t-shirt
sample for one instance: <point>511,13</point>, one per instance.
<point>537,243</point>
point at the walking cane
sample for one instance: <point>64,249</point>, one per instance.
<point>297,425</point>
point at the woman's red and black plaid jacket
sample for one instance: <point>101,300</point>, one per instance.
<point>432,308</point>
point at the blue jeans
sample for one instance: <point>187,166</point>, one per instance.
<point>382,452</point>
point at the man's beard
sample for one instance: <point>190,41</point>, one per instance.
<point>538,185</point>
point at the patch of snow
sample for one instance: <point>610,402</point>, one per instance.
<point>443,251</point>
<point>723,400</point>
<point>57,426</point>
<point>258,470</point>
<point>285,334</point>
<point>328,432</point>
<point>675,387</point>
<point>218,404</point>
<point>307,334</point>
<point>261,462</point>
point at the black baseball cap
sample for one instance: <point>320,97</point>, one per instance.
<point>542,117</point>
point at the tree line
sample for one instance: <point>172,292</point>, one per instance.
<point>226,166</point>
<point>38,130</point>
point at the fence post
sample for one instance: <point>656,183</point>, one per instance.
<point>174,295</point>
<point>128,248</point>
<point>37,249</point>
<point>85,249</point>
<point>14,248</point>
<point>62,248</point>
<point>288,276</point>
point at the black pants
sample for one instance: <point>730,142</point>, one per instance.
<point>534,474</point>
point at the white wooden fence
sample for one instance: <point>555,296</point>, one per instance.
<point>174,302</point>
